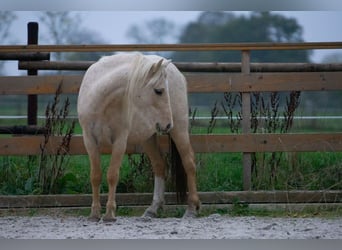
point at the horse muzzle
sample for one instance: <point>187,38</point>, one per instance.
<point>163,129</point>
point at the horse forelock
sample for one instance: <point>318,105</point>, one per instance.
<point>138,78</point>
<point>140,71</point>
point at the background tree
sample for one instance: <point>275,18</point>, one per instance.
<point>85,36</point>
<point>65,28</point>
<point>154,31</point>
<point>157,30</point>
<point>61,27</point>
<point>324,102</point>
<point>225,27</point>
<point>6,20</point>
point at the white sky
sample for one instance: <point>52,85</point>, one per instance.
<point>318,26</point>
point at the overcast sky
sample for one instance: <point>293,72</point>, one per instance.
<point>318,26</point>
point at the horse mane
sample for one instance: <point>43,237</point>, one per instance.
<point>141,67</point>
<point>137,79</point>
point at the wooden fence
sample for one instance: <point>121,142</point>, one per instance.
<point>244,77</point>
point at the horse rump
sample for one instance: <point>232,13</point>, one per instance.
<point>178,174</point>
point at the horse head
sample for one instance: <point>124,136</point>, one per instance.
<point>151,96</point>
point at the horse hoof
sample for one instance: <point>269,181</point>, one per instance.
<point>149,214</point>
<point>94,218</point>
<point>144,219</point>
<point>108,219</point>
<point>190,214</point>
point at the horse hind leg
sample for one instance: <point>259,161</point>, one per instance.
<point>95,177</point>
<point>159,167</point>
<point>185,150</point>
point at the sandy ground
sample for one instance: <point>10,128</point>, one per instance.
<point>214,226</point>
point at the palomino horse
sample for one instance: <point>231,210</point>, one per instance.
<point>126,99</point>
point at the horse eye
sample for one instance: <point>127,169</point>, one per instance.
<point>159,91</point>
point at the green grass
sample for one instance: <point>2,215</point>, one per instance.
<point>303,171</point>
<point>219,172</point>
<point>215,172</point>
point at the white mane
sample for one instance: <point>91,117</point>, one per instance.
<point>138,76</point>
<point>138,79</point>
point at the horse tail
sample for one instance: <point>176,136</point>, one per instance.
<point>178,174</point>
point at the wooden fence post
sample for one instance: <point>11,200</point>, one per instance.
<point>246,122</point>
<point>32,100</point>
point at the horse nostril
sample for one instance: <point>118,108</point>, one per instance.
<point>165,129</point>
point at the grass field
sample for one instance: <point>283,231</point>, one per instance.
<point>215,172</point>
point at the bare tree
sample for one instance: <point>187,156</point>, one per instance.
<point>66,28</point>
<point>154,31</point>
<point>61,27</point>
<point>6,20</point>
<point>157,30</point>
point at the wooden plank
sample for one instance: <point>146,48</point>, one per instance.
<point>246,122</point>
<point>170,47</point>
<point>194,66</point>
<point>30,145</point>
<point>305,81</point>
<point>313,142</point>
<point>325,142</point>
<point>32,100</point>
<point>26,130</point>
<point>263,82</point>
<point>56,65</point>
<point>300,196</point>
<point>208,82</point>
<point>197,82</point>
<point>25,56</point>
<point>138,199</point>
<point>24,85</point>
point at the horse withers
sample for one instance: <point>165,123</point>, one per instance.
<point>127,99</point>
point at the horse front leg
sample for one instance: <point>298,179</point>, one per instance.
<point>158,198</point>
<point>159,167</point>
<point>118,152</point>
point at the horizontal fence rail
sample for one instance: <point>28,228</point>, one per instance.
<point>193,67</point>
<point>170,47</point>
<point>24,56</point>
<point>197,82</point>
<point>323,142</point>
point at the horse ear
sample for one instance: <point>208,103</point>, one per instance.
<point>156,66</point>
<point>166,62</point>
